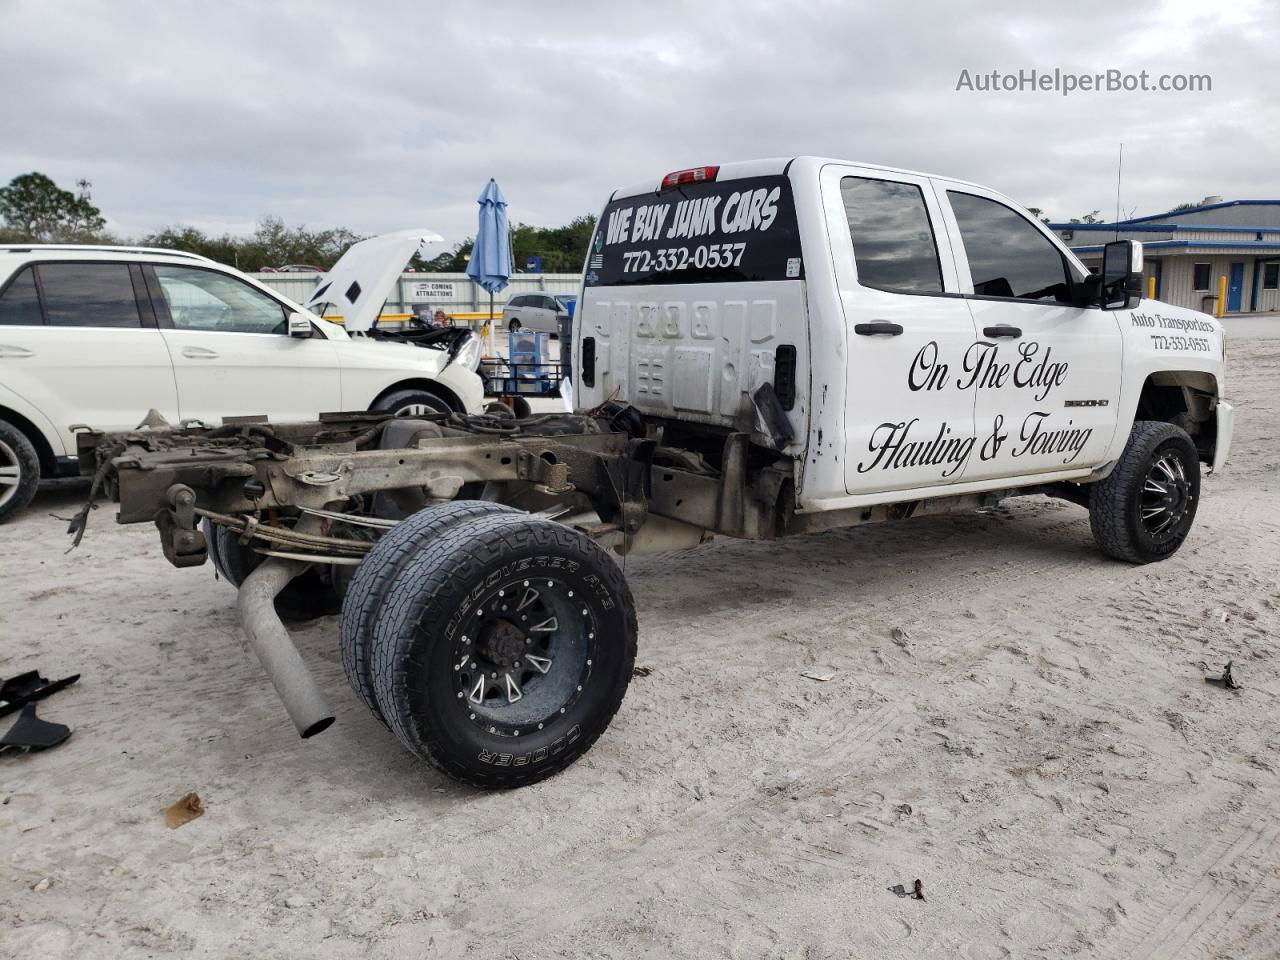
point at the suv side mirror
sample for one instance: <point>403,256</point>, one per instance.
<point>1121,282</point>
<point>299,325</point>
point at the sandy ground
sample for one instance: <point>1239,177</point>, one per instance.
<point>1037,745</point>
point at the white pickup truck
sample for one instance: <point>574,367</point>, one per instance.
<point>763,348</point>
<point>925,338</point>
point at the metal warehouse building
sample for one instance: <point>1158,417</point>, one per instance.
<point>1187,250</point>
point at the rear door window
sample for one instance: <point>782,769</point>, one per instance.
<point>20,302</point>
<point>89,295</point>
<point>718,232</point>
<point>893,243</point>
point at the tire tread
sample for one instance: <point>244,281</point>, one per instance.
<point>379,567</point>
<point>1109,498</point>
<point>29,470</point>
<point>413,595</point>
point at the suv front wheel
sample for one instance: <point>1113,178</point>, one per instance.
<point>412,403</point>
<point>19,471</point>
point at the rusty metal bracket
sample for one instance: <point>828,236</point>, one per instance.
<point>183,544</point>
<point>626,486</point>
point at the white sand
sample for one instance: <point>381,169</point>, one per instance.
<point>1073,785</point>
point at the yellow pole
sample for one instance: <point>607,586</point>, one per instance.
<point>1222,295</point>
<point>1151,288</point>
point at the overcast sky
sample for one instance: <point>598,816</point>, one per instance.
<point>380,116</point>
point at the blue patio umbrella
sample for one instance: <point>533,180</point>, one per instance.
<point>490,263</point>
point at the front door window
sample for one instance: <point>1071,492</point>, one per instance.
<point>214,302</point>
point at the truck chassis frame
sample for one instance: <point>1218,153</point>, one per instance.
<point>276,503</point>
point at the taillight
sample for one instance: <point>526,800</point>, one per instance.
<point>693,175</point>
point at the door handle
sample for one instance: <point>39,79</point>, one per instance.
<point>1002,330</point>
<point>199,353</point>
<point>14,353</point>
<point>877,326</point>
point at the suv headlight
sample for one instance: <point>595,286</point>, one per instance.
<point>468,354</point>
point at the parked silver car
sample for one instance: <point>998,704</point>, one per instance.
<point>539,312</point>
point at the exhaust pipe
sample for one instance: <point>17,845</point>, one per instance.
<point>306,705</point>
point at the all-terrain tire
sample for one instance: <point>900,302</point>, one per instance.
<point>379,567</point>
<point>1117,504</point>
<point>407,403</point>
<point>19,471</point>
<point>306,597</point>
<point>433,641</point>
<point>514,325</point>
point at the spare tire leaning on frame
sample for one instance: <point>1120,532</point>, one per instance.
<point>503,649</point>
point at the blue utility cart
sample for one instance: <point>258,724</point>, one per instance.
<point>526,371</point>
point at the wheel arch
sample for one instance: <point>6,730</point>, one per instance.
<point>433,387</point>
<point>1187,398</point>
<point>44,450</point>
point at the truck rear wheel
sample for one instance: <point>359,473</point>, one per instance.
<point>380,566</point>
<point>19,471</point>
<point>1144,510</point>
<point>504,649</point>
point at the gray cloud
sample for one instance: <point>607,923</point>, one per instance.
<point>380,116</point>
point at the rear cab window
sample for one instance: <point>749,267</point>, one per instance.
<point>709,232</point>
<point>894,247</point>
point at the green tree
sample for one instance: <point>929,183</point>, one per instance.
<point>1087,218</point>
<point>35,208</point>
<point>272,244</point>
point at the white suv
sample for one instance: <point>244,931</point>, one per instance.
<point>100,335</point>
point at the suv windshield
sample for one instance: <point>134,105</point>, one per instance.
<point>716,232</point>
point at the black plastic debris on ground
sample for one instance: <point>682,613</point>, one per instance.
<point>915,893</point>
<point>1225,679</point>
<point>17,692</point>
<point>32,733</point>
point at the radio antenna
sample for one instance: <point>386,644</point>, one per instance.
<point>1119,167</point>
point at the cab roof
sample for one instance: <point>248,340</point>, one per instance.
<point>774,166</point>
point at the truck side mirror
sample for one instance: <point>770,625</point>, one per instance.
<point>299,325</point>
<point>1121,284</point>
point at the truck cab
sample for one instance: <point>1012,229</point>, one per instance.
<point>921,336</point>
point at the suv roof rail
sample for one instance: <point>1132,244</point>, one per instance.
<point>97,248</point>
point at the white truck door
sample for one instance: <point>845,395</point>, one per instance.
<point>906,327</point>
<point>80,350</point>
<point>1044,375</point>
<point>232,355</point>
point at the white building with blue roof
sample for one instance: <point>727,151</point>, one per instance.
<point>1187,250</point>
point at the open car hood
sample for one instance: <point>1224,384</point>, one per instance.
<point>359,283</point>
